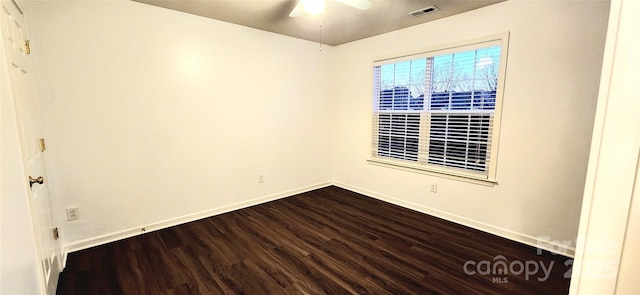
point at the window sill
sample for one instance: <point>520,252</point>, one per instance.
<point>469,178</point>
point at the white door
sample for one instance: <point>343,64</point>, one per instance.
<point>29,126</point>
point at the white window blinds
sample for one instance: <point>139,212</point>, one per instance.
<point>438,110</point>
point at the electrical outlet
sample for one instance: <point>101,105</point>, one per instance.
<point>73,213</point>
<point>260,178</point>
<point>434,187</point>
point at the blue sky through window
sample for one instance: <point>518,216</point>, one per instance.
<point>471,70</point>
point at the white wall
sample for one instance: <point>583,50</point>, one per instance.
<point>553,70</point>
<point>152,115</point>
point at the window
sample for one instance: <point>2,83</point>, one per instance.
<point>439,111</point>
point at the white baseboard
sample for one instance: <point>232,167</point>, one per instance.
<point>547,245</point>
<point>502,232</point>
<point>107,238</point>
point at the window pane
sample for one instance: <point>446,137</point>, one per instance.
<point>465,80</point>
<point>398,135</point>
<point>460,140</point>
<point>403,85</point>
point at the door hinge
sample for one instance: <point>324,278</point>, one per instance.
<point>27,46</point>
<point>42,145</point>
<point>56,233</point>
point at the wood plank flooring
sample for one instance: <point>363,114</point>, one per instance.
<point>327,241</point>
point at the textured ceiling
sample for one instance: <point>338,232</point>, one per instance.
<point>340,23</point>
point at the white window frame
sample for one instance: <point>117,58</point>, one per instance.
<point>501,40</point>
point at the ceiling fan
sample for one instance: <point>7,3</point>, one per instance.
<point>317,6</point>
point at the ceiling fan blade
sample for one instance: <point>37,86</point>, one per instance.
<point>359,4</point>
<point>298,10</point>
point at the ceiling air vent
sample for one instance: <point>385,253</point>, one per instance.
<point>423,11</point>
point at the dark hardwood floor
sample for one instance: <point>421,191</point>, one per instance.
<point>327,241</point>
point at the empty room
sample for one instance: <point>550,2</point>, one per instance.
<point>320,147</point>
